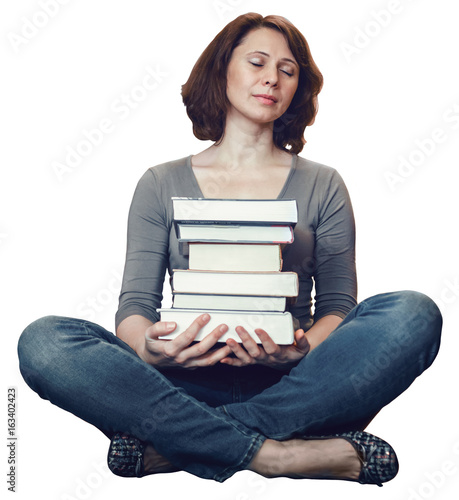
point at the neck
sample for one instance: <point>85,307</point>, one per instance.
<point>246,144</point>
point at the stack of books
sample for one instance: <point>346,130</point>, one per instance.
<point>235,266</point>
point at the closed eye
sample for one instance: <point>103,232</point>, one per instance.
<point>259,65</point>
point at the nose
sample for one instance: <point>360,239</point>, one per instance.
<point>270,76</point>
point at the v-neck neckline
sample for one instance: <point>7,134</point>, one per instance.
<point>279,196</point>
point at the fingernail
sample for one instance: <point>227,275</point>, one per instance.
<point>223,328</point>
<point>206,317</point>
<point>170,326</point>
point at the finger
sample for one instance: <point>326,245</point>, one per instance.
<point>267,342</point>
<point>249,342</point>
<point>233,362</point>
<point>201,348</point>
<point>211,358</point>
<point>175,346</point>
<point>301,342</point>
<point>160,328</point>
<point>157,330</point>
<point>240,352</point>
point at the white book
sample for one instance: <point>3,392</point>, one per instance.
<point>235,257</point>
<point>223,211</point>
<point>234,233</point>
<point>277,284</point>
<point>228,302</point>
<point>278,325</point>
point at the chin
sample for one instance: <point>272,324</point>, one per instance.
<point>259,116</point>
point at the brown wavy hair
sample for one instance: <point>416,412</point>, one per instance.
<point>204,93</point>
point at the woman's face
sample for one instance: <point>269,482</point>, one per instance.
<point>262,77</point>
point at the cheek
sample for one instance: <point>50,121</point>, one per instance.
<point>293,90</point>
<point>233,84</point>
<point>230,78</point>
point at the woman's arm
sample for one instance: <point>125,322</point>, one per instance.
<point>276,356</point>
<point>334,277</point>
<point>334,273</point>
<point>132,331</point>
<point>321,330</point>
<point>142,336</point>
<point>137,318</point>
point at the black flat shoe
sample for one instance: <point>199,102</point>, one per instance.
<point>125,456</point>
<point>379,461</point>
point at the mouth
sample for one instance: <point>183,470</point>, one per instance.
<point>265,98</point>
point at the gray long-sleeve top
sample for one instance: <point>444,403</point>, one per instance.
<point>323,251</point>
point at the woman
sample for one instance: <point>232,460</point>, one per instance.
<point>213,409</point>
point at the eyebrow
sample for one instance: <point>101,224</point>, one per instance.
<point>287,59</point>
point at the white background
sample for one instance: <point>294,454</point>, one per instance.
<point>62,238</point>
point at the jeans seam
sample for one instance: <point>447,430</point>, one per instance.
<point>255,445</point>
<point>237,426</point>
<point>230,420</point>
<point>256,440</point>
<point>300,433</point>
<point>87,328</point>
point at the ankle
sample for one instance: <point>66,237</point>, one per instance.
<point>298,458</point>
<point>267,461</point>
<point>154,463</point>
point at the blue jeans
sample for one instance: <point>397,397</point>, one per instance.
<point>212,421</point>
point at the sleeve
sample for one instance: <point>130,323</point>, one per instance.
<point>334,255</point>
<point>147,253</point>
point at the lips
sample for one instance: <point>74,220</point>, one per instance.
<point>265,98</point>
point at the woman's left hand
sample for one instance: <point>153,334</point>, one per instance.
<point>268,352</point>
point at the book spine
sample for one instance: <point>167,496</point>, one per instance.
<point>287,285</point>
<point>279,325</point>
<point>225,222</point>
<point>192,212</point>
<point>224,302</point>
<point>185,241</point>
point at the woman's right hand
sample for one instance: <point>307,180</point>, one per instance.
<point>177,352</point>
